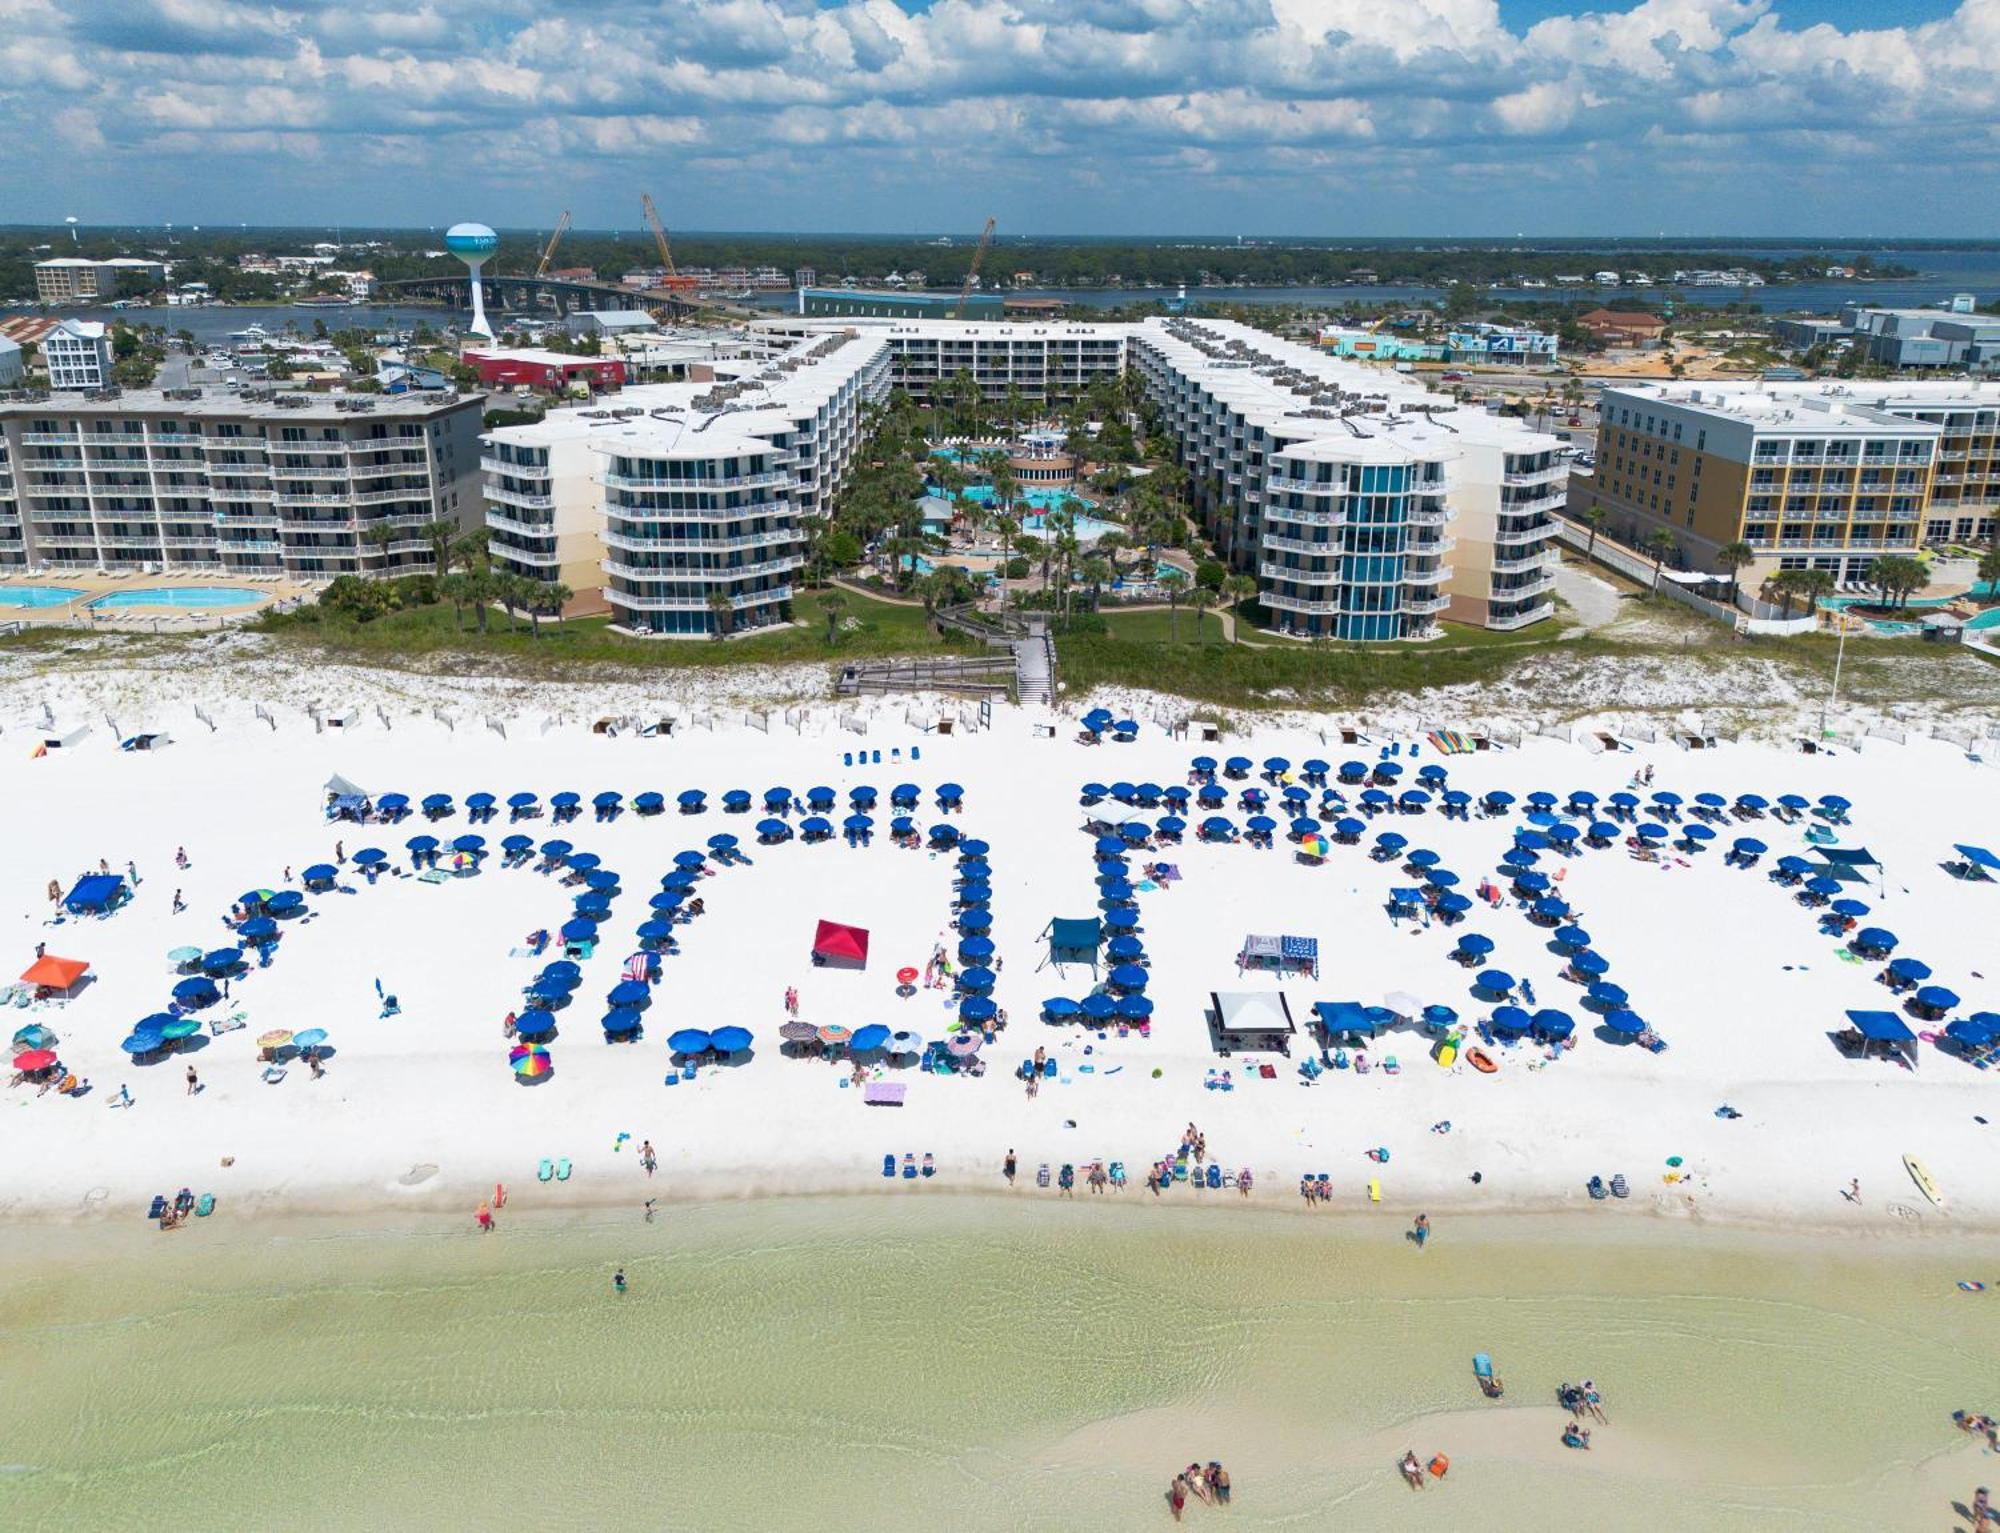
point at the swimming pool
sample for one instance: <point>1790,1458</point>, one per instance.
<point>38,596</point>
<point>182,597</point>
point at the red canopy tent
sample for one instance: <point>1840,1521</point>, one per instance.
<point>838,941</point>
<point>53,973</point>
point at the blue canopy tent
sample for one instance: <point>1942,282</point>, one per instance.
<point>649,802</point>
<point>815,827</point>
<point>1350,1019</point>
<point>691,800</point>
<point>556,850</point>
<point>1878,1032</point>
<point>820,798</point>
<point>1074,941</point>
<point>736,801</point>
<point>96,893</point>
<point>1979,863</point>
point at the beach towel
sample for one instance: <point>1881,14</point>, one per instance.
<point>637,967</point>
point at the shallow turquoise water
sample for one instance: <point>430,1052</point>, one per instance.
<point>178,596</point>
<point>37,596</point>
<point>924,1361</point>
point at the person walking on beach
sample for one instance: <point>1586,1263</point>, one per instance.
<point>179,903</point>
<point>1177,1496</point>
<point>194,1082</point>
<point>648,1160</point>
<point>1853,1193</point>
<point>40,948</point>
<point>485,1218</point>
<point>1421,1230</point>
<point>124,1097</point>
<point>1982,1511</point>
<point>339,853</point>
<point>1009,1166</point>
<point>618,1281</point>
<point>181,858</point>
<point>132,872</point>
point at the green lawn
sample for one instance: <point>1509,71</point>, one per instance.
<point>869,629</point>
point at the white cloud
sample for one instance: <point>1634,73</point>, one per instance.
<point>1075,113</point>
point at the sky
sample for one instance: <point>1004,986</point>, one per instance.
<point>1144,117</point>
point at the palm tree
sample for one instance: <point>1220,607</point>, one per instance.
<point>1785,583</point>
<point>1201,598</point>
<point>1733,558</point>
<point>379,536</point>
<point>469,549</point>
<point>831,605</point>
<point>721,614</point>
<point>478,594</point>
<point>555,597</point>
<point>1593,518</point>
<point>439,534</point>
<point>1096,573</point>
<point>1239,588</point>
<point>507,591</point>
<point>456,589</point>
<point>1660,543</point>
<point>1812,585</point>
<point>1989,563</point>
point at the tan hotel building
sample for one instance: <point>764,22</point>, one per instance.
<point>1811,476</point>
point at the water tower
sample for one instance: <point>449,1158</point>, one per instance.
<point>473,244</point>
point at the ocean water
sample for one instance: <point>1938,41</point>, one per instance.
<point>925,1361</point>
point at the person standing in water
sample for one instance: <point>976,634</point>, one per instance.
<point>618,1281</point>
<point>1421,1231</point>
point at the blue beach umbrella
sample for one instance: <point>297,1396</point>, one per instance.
<point>1936,998</point>
<point>522,801</point>
<point>1909,970</point>
<point>468,843</point>
<point>515,845</point>
<point>1590,963</point>
<point>1060,1006</point>
<point>857,823</point>
<point>1495,981</point>
<point>1123,920</point>
<point>628,992</point>
<point>556,850</point>
<point>819,798</point>
<point>393,803</point>
<point>1127,976</point>
<point>691,798</point>
<point>579,930</point>
<point>1125,948</point>
<point>649,802</point>
<point>734,1040</point>
<point>1477,944</point>
<point>1748,846</point>
<point>1572,936</point>
<point>975,921</point>
<point>1453,904</point>
<point>976,948</point>
<point>1605,993</point>
<point>977,1008</point>
<point>976,979</point>
<point>773,830</point>
<point>1625,1023</point>
<point>736,800</point>
<point>1260,824</point>
<point>1852,910</point>
<point>653,931</point>
<point>480,801</point>
<point>437,803</point>
<point>1134,1008</point>
<point>620,1020</point>
<point>1099,1008</point>
<point>691,1040</point>
<point>606,800</point>
<point>369,856</point>
<point>721,842</point>
<point>867,1039</point>
<point>816,826</point>
<point>1510,1021</point>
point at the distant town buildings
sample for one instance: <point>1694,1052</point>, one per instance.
<point>1376,346</point>
<point>1509,345</point>
<point>12,364</point>
<point>531,367</point>
<point>74,279</point>
<point>606,322</point>
<point>1623,327</point>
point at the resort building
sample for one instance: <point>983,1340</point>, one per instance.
<point>74,279</point>
<point>1344,490</point>
<point>12,365</point>
<point>1925,338</point>
<point>261,482</point>
<point>682,512</point>
<point>1623,327</point>
<point>77,353</point>
<point>1374,346</point>
<point>1811,476</point>
<point>860,303</point>
<point>1041,363</point>
<point>531,367</point>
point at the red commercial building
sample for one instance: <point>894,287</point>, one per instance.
<point>552,370</point>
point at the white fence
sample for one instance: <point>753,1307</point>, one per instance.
<point>1637,567</point>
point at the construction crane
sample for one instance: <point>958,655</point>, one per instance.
<point>549,250</point>
<point>674,280</point>
<point>972,271</point>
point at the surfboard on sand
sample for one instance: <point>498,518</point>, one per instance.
<point>1921,1175</point>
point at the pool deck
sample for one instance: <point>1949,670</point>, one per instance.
<point>77,613</point>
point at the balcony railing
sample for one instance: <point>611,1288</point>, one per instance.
<point>1279,483</point>
<point>1525,563</point>
<point>493,465</point>
<point>1537,476</point>
<point>704,576</point>
<point>1522,619</point>
<point>696,486</point>
<point>1282,603</point>
<point>495,522</point>
<point>1298,576</point>
<point>626,599</point>
<point>1525,589</point>
<point>634,545</point>
<point>520,498</point>
<point>1420,605</point>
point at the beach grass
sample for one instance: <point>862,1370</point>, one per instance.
<point>868,629</point>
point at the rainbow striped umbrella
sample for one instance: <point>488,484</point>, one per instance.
<point>1315,846</point>
<point>530,1060</point>
<point>276,1038</point>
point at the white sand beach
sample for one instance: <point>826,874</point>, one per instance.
<point>419,1111</point>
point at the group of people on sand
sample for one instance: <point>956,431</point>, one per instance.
<point>1210,1485</point>
<point>1580,1400</point>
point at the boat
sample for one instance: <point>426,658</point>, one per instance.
<point>1481,1061</point>
<point>1926,1183</point>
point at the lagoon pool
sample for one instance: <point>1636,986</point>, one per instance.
<point>180,597</point>
<point>36,597</point>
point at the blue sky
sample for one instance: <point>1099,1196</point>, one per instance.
<point>1261,117</point>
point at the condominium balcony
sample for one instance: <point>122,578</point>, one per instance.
<point>1525,589</point>
<point>711,577</point>
<point>1279,602</point>
<point>388,497</point>
<point>1280,483</point>
<point>1554,472</point>
<point>1277,513</point>
<point>1536,533</point>
<point>1305,546</point>
<point>1420,605</point>
<point>286,498</point>
<point>775,538</point>
<point>224,523</point>
<point>495,522</point>
<point>1416,576</point>
<point>49,438</point>
<point>642,515</point>
<point>1521,619</point>
<point>1519,566</point>
<point>509,553</point>
<point>696,486</point>
<point>1324,577</point>
<point>520,498</point>
<point>493,465</point>
<point>1530,504</point>
<point>626,599</point>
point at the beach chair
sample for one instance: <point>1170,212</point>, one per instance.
<point>1391,1066</point>
<point>1214,1176</point>
<point>1042,1176</point>
<point>273,1074</point>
